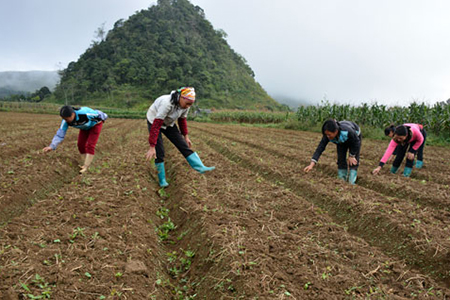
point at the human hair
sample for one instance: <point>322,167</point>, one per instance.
<point>401,130</point>
<point>389,129</point>
<point>330,125</point>
<point>66,111</point>
<point>175,98</point>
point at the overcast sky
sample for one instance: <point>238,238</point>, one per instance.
<point>352,51</point>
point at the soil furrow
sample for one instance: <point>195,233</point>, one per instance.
<point>440,199</point>
<point>361,218</point>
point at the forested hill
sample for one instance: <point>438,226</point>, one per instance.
<point>157,50</point>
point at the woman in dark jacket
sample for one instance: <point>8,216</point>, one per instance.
<point>347,137</point>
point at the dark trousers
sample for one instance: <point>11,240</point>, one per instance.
<point>174,135</point>
<point>400,152</point>
<point>420,151</point>
<point>342,156</point>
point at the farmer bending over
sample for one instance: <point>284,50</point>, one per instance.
<point>404,136</point>
<point>90,123</point>
<point>389,131</point>
<point>347,137</point>
<point>161,118</point>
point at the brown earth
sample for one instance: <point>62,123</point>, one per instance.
<point>257,227</point>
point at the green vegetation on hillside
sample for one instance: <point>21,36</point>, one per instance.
<point>21,96</point>
<point>169,45</point>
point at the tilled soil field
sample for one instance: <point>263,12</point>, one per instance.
<point>257,227</point>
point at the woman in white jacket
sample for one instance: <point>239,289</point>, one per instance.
<point>161,118</point>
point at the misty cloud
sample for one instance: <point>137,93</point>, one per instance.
<point>28,81</point>
<point>390,52</point>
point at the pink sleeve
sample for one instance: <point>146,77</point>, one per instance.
<point>390,149</point>
<point>417,137</point>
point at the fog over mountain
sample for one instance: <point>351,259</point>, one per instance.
<point>27,81</point>
<point>291,101</point>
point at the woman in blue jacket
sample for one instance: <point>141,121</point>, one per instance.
<point>90,123</point>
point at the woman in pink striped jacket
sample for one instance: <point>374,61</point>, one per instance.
<point>409,139</point>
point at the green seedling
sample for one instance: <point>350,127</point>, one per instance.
<point>77,232</point>
<point>162,193</point>
<point>95,236</point>
<point>182,235</point>
<point>162,212</point>
<point>39,282</point>
<point>164,229</point>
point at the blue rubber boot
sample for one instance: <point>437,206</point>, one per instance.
<point>394,169</point>
<point>419,164</point>
<point>161,174</point>
<point>407,172</point>
<point>342,174</point>
<point>352,177</point>
<point>196,163</point>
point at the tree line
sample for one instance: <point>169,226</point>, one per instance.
<point>39,95</point>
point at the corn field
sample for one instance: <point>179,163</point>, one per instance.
<point>252,117</point>
<point>435,118</point>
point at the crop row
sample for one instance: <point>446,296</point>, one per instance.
<point>52,108</point>
<point>436,118</point>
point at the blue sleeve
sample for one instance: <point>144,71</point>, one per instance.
<point>60,134</point>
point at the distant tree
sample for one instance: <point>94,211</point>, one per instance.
<point>100,34</point>
<point>40,94</point>
<point>200,11</point>
<point>62,86</point>
<point>222,33</point>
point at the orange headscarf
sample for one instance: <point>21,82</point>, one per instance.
<point>187,93</point>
